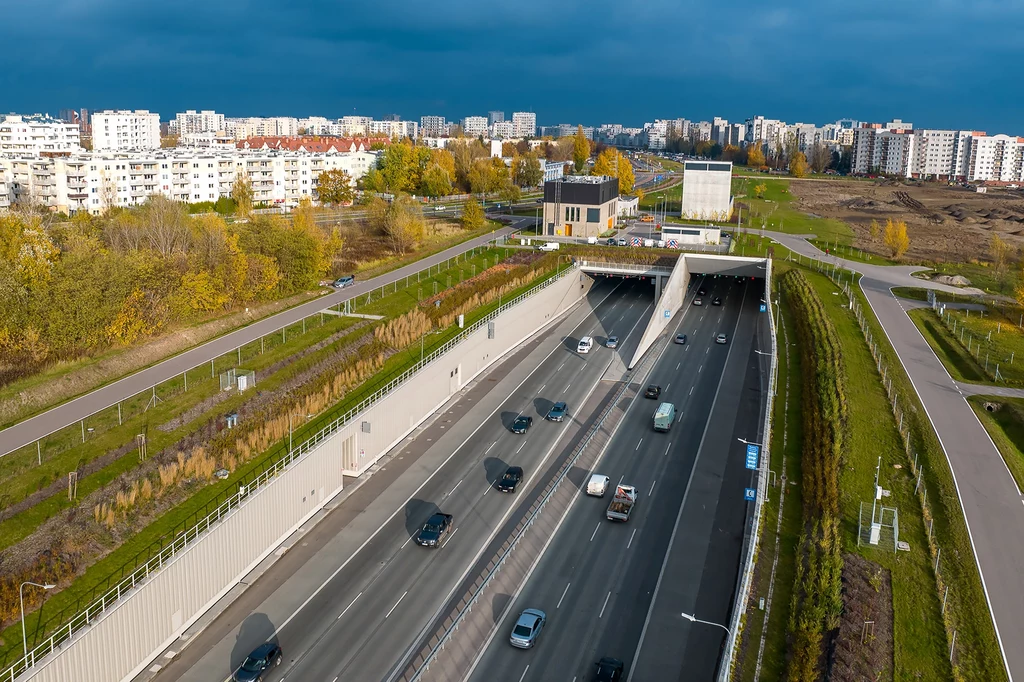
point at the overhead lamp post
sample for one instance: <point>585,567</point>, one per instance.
<point>694,619</point>
<point>21,598</point>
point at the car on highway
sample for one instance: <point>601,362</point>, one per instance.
<point>512,477</point>
<point>716,301</point>
<point>255,664</point>
<point>439,208</point>
<point>701,292</point>
<point>597,485</point>
<point>680,338</point>
<point>528,628</point>
<point>435,529</point>
<point>522,424</point>
<point>342,282</point>
<point>612,342</point>
<point>698,301</point>
<point>585,344</point>
<point>557,412</point>
<point>611,241</point>
<point>721,338</point>
<point>621,241</point>
<point>653,392</point>
<point>609,670</point>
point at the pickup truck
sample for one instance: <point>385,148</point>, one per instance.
<point>435,530</point>
<point>622,504</point>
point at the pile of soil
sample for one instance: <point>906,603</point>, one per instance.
<point>863,647</point>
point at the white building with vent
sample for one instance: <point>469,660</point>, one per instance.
<point>707,190</point>
<point>125,130</point>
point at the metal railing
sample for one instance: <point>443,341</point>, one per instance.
<point>743,594</point>
<point>535,512</point>
<point>189,536</point>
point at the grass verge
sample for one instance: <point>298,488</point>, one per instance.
<point>958,362</point>
<point>1006,427</point>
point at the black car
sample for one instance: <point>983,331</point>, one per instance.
<point>512,477</point>
<point>680,338</point>
<point>609,670</point>
<point>435,529</point>
<point>653,391</point>
<point>256,663</point>
<point>557,412</point>
<point>701,292</point>
<point>716,301</point>
<point>611,241</point>
<point>522,424</point>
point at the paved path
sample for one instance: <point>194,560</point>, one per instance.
<point>989,389</point>
<point>30,430</point>
<point>991,500</point>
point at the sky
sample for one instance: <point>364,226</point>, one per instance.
<point>935,63</point>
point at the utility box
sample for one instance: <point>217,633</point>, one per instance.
<point>876,531</point>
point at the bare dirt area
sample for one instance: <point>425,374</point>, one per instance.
<point>863,647</point>
<point>944,223</point>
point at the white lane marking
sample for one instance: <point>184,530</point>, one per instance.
<point>524,673</point>
<point>445,543</point>
<point>406,542</point>
<point>620,479</point>
<point>631,536</point>
<point>490,446</point>
<point>652,488</point>
<point>700,368</point>
<point>638,445</point>
<point>691,390</point>
<point>566,388</point>
<point>541,389</point>
<point>605,605</point>
<point>686,350</point>
<point>453,489</point>
<point>559,604</point>
<point>668,385</point>
<point>397,603</point>
<point>560,367</point>
<point>706,350</point>
<point>677,365</point>
<point>595,532</point>
<point>348,607</point>
<point>520,447</point>
<point>667,448</point>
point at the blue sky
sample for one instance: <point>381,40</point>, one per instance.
<point>937,63</point>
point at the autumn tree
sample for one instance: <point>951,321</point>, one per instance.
<point>334,187</point>
<point>821,157</point>
<point>472,214</point>
<point>242,193</point>
<point>875,231</point>
<point>798,167</point>
<point>755,155</point>
<point>1000,252</point>
<point>896,238</point>
<point>400,221</point>
<point>613,163</point>
<point>526,170</point>
<point>580,149</point>
<point>436,182</point>
<point>759,190</point>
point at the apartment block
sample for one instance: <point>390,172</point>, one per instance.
<point>502,130</point>
<point>433,126</point>
<point>999,158</point>
<point>495,117</point>
<point>124,130</point>
<point>38,133</point>
<point>524,124</point>
<point>204,121</point>
<point>474,126</point>
<point>393,129</point>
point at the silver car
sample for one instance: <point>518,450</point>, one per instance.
<point>612,342</point>
<point>720,338</point>
<point>527,628</point>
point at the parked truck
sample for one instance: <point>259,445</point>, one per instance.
<point>622,504</point>
<point>664,416</point>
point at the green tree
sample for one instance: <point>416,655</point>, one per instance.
<point>798,167</point>
<point>200,292</point>
<point>1000,252</point>
<point>242,194</point>
<point>334,187</point>
<point>481,176</point>
<point>436,182</point>
<point>400,221</point>
<point>372,181</point>
<point>755,154</point>
<point>396,168</point>
<point>580,149</point>
<point>526,170</point>
<point>472,214</point>
<point>896,238</point>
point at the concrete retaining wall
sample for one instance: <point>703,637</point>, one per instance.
<point>122,641</point>
<point>673,293</point>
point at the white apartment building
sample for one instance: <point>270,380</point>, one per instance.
<point>934,153</point>
<point>502,130</point>
<point>5,188</point>
<point>877,150</point>
<point>997,158</point>
<point>474,126</point>
<point>98,181</point>
<point>770,132</point>
<point>720,130</point>
<point>124,130</point>
<point>656,134</point>
<point>204,121</point>
<point>524,124</point>
<point>355,126</point>
<point>394,129</point>
<point>277,126</point>
<point>495,117</point>
<point>206,140</point>
<point>433,126</point>
<point>38,133</point>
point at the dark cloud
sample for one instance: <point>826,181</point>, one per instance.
<point>936,63</point>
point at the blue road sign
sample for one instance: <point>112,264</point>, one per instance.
<point>752,455</point>
<point>668,314</point>
<point>764,308</point>
<point>749,494</point>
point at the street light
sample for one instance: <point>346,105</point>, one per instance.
<point>694,619</point>
<point>761,352</point>
<point>21,598</point>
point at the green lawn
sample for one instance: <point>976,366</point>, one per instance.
<point>979,274</point>
<point>1006,426</point>
<point>107,571</point>
<point>960,365</point>
<point>919,294</point>
<point>993,338</point>
<point>774,211</point>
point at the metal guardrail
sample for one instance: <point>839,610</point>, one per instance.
<point>536,510</point>
<point>187,538</point>
<point>743,594</point>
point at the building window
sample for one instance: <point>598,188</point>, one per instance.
<point>593,215</point>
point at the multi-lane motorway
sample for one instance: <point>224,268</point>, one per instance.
<point>376,599</point>
<point>597,580</point>
<point>358,595</point>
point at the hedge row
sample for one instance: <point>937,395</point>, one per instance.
<point>817,592</point>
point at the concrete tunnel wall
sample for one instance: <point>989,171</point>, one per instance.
<point>673,294</point>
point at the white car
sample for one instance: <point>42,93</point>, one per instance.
<point>721,339</point>
<point>697,301</point>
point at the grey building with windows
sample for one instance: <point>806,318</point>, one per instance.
<point>580,205</point>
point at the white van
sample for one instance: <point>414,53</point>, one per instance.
<point>550,246</point>
<point>598,485</point>
<point>585,344</point>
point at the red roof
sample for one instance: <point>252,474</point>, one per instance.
<point>312,143</point>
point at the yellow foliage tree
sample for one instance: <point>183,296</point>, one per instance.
<point>755,156</point>
<point>759,190</point>
<point>798,167</point>
<point>896,238</point>
<point>876,230</point>
<point>132,320</point>
<point>613,163</point>
<point>200,292</point>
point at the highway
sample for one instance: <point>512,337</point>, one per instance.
<point>341,609</point>
<point>30,430</point>
<point>597,579</point>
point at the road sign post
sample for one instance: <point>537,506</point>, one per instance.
<point>753,453</point>
<point>749,494</point>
